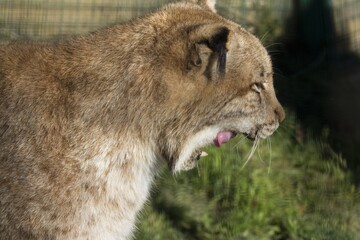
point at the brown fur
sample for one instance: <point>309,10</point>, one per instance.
<point>84,122</point>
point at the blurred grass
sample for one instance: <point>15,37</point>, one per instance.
<point>307,194</point>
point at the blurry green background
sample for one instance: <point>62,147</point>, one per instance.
<point>302,183</point>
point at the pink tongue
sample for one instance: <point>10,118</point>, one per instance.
<point>222,137</point>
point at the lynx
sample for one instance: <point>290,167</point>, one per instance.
<point>85,123</point>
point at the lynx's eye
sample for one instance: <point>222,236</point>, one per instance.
<point>258,87</point>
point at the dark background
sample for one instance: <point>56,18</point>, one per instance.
<point>319,78</point>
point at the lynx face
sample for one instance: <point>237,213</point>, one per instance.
<point>225,88</point>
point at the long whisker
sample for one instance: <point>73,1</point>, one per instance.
<point>198,169</point>
<point>174,177</point>
<point>256,143</point>
<point>264,36</point>
<point>240,140</point>
<point>259,151</point>
<point>269,144</point>
<point>238,153</point>
<point>273,44</point>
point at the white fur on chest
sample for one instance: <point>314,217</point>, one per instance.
<point>117,187</point>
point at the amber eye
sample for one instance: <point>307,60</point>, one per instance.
<point>257,87</point>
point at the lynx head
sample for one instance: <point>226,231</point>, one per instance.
<point>219,83</point>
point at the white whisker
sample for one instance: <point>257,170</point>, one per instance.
<point>273,44</point>
<point>259,151</point>
<point>240,140</point>
<point>269,144</point>
<point>264,37</point>
<point>256,143</point>
<point>174,177</point>
<point>198,169</point>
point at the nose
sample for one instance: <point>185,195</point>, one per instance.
<point>280,113</point>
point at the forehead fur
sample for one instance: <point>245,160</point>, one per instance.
<point>190,18</point>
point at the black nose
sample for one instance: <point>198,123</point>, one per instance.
<point>280,113</point>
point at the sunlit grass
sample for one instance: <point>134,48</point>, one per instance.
<point>307,194</point>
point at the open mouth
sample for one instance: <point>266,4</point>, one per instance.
<point>220,139</point>
<point>214,135</point>
<point>192,149</point>
<point>223,137</point>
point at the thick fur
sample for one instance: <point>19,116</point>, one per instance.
<point>85,123</point>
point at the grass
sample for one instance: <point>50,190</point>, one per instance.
<point>307,194</point>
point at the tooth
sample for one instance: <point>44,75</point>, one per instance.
<point>204,154</point>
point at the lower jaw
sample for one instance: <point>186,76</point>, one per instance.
<point>198,153</point>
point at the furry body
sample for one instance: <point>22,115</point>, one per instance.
<point>85,123</point>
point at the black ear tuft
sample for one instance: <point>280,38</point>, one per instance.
<point>217,43</point>
<point>213,40</point>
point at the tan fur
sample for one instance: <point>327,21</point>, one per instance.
<point>84,123</point>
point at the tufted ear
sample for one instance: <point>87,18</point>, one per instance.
<point>210,4</point>
<point>208,48</point>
